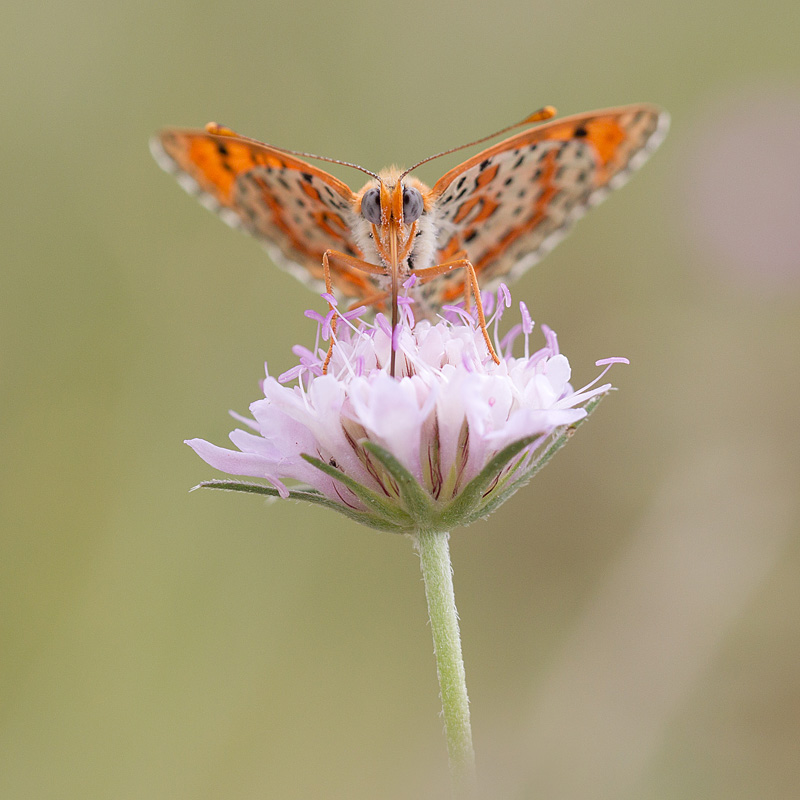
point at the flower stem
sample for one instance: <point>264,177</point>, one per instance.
<point>434,556</point>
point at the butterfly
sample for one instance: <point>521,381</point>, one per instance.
<point>487,220</point>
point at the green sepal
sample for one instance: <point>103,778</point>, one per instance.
<point>309,496</point>
<point>385,509</point>
<point>417,502</point>
<point>470,498</point>
<point>238,486</point>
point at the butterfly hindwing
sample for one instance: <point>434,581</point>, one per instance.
<point>510,204</point>
<point>297,210</point>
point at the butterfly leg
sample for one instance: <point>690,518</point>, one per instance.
<point>470,286</point>
<point>343,264</point>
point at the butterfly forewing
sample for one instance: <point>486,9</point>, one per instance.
<point>297,210</point>
<point>510,204</point>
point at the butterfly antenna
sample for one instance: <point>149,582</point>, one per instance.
<point>548,112</point>
<point>220,130</point>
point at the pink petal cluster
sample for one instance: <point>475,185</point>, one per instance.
<point>448,410</point>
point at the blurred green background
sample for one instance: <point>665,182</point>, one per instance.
<point>630,621</point>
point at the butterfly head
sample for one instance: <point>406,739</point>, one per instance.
<point>395,211</point>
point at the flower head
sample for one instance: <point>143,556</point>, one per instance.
<point>442,442</point>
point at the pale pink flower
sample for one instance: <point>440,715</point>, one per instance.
<point>443,442</point>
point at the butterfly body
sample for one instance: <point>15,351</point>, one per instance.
<point>499,211</point>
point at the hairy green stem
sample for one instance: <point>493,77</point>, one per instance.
<point>434,556</point>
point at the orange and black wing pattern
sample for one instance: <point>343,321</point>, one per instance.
<point>296,210</point>
<point>509,205</point>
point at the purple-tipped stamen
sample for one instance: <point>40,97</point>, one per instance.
<point>551,339</point>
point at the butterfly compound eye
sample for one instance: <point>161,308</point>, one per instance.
<point>412,205</point>
<point>371,205</point>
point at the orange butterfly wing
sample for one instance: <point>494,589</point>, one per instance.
<point>512,203</point>
<point>296,210</point>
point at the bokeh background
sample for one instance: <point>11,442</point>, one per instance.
<point>631,620</point>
